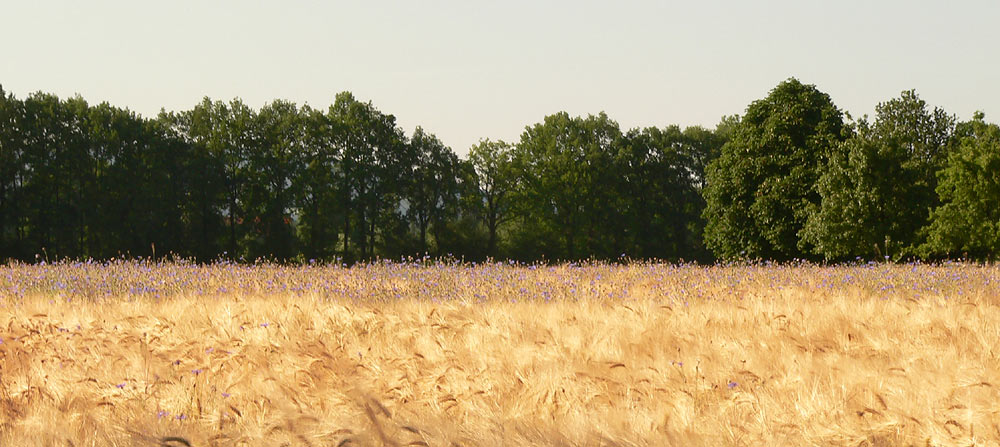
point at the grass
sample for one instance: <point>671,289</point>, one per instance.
<point>138,354</point>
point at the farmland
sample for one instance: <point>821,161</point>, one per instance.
<point>438,354</point>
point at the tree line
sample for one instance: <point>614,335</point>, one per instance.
<point>792,178</point>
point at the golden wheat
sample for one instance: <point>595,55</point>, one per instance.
<point>499,355</point>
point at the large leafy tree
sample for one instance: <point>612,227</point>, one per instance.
<point>224,133</point>
<point>56,172</point>
<point>317,183</point>
<point>565,167</point>
<point>462,233</point>
<point>761,187</point>
<point>200,175</point>
<point>130,211</point>
<point>433,189</point>
<point>662,173</point>
<point>967,222</point>
<point>170,183</point>
<point>374,166</point>
<point>877,191</point>
<point>11,175</point>
<point>276,156</point>
<point>494,180</point>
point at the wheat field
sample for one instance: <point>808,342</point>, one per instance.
<point>406,354</point>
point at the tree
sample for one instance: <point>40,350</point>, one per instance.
<point>877,190</point>
<point>57,179</point>
<point>171,174</point>
<point>463,234</point>
<point>130,210</point>
<point>222,164</point>
<point>200,175</point>
<point>11,175</point>
<point>760,188</point>
<point>224,133</point>
<point>967,221</point>
<point>699,146</point>
<point>317,185</point>
<point>494,179</point>
<point>433,188</point>
<point>275,160</point>
<point>375,163</point>
<point>564,168</point>
<point>662,173</point>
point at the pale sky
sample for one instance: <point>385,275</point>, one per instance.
<point>466,70</point>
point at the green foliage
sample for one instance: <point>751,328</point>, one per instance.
<point>877,190</point>
<point>276,155</point>
<point>284,182</point>
<point>80,180</point>
<point>587,190</point>
<point>967,222</point>
<point>375,165</point>
<point>662,174</point>
<point>319,209</point>
<point>494,179</point>
<point>786,180</point>
<point>566,170</point>
<point>761,187</point>
<point>434,187</point>
<point>11,171</point>
<point>198,174</point>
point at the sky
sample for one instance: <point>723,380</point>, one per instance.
<point>466,70</point>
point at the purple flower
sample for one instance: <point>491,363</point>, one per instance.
<point>197,371</point>
<point>181,417</point>
<point>160,414</point>
<point>265,324</point>
<point>226,394</point>
<point>120,385</point>
<point>732,384</point>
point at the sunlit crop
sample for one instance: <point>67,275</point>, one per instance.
<point>145,354</point>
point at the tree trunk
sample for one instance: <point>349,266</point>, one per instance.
<point>423,234</point>
<point>491,246</point>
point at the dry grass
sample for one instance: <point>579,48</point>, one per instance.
<point>400,355</point>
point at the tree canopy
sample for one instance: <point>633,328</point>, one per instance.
<point>877,190</point>
<point>967,220</point>
<point>761,187</point>
<point>787,179</point>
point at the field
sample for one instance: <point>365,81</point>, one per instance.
<point>175,354</point>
